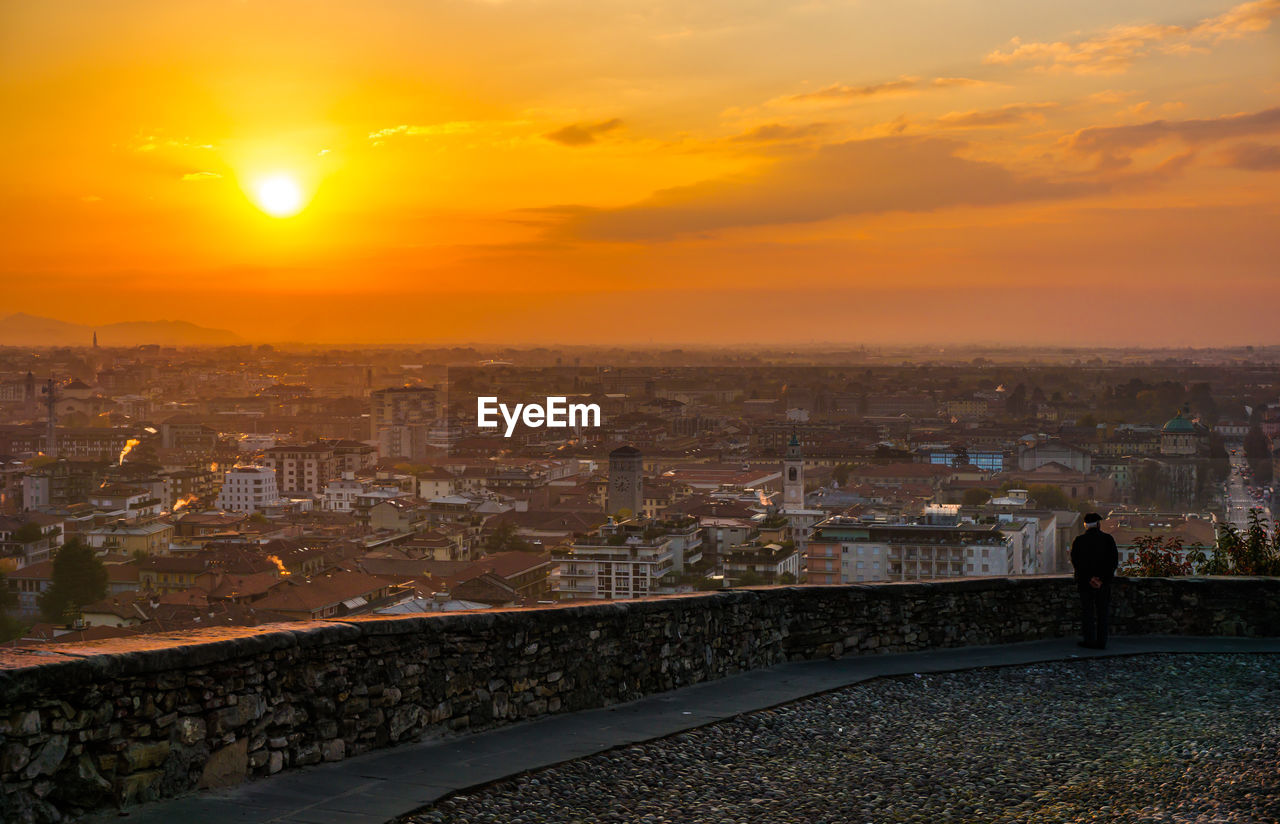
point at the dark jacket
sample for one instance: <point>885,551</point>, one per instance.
<point>1094,555</point>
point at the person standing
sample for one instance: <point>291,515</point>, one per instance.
<point>1094,557</point>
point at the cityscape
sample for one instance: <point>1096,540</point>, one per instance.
<point>247,485</point>
<point>547,413</point>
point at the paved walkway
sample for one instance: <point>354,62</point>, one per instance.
<point>379,786</point>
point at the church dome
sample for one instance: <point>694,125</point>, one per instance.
<point>1178,425</point>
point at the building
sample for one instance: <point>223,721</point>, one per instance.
<point>62,483</point>
<point>331,594</point>
<point>436,482</point>
<point>187,435</point>
<point>29,539</point>
<point>799,519</point>
<point>151,538</point>
<point>793,475</point>
<point>131,503</point>
<point>610,566</point>
<point>848,550</point>
<point>398,515</point>
<point>1183,437</point>
<point>626,481</point>
<point>991,460</point>
<point>302,467</point>
<point>401,420</point>
<point>767,563</point>
<point>171,573</point>
<point>248,489</point>
<point>351,456</point>
<point>1031,457</point>
<point>340,494</point>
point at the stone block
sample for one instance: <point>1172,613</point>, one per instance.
<point>189,730</point>
<point>142,755</point>
<point>227,766</point>
<point>48,758</point>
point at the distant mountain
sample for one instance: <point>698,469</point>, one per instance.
<point>29,330</point>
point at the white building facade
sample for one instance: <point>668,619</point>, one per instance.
<point>248,489</point>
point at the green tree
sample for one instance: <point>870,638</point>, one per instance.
<point>1049,496</point>
<point>505,539</point>
<point>975,497</point>
<point>28,533</point>
<point>1255,551</point>
<point>1257,451</point>
<point>10,628</point>
<point>79,578</point>
<point>1157,557</point>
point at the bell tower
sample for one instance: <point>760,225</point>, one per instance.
<point>626,481</point>
<point>793,475</point>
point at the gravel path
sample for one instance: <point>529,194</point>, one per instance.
<point>1153,738</point>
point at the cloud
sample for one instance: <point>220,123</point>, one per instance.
<point>843,92</point>
<point>1116,49</point>
<point>201,176</point>
<point>1109,140</point>
<point>777,132</point>
<point>885,174</point>
<point>1253,157</point>
<point>583,134</point>
<point>449,128</point>
<point>1008,115</point>
<point>953,82</point>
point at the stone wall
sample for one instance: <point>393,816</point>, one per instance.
<point>119,722</point>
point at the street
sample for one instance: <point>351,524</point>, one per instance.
<point>1239,499</point>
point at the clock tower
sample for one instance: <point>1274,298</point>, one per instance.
<point>626,479</point>
<point>793,476</point>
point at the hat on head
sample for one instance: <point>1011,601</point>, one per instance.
<point>1093,518</point>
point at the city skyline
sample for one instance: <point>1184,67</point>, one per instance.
<point>644,173</point>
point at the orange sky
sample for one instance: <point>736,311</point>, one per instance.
<point>726,170</point>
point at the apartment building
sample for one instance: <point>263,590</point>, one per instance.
<point>848,550</point>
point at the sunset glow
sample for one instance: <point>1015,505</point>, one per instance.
<point>734,172</point>
<point>279,196</point>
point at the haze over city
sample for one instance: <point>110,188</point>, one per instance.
<point>646,172</point>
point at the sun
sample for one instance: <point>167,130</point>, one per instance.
<point>279,196</point>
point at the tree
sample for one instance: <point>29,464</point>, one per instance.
<point>1252,552</point>
<point>10,628</point>
<point>1157,557</point>
<point>79,578</point>
<point>1016,404</point>
<point>975,497</point>
<point>28,533</point>
<point>1049,496</point>
<point>1257,451</point>
<point>505,539</point>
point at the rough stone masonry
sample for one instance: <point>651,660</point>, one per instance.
<point>113,723</point>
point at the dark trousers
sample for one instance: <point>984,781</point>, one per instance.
<point>1095,613</point>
